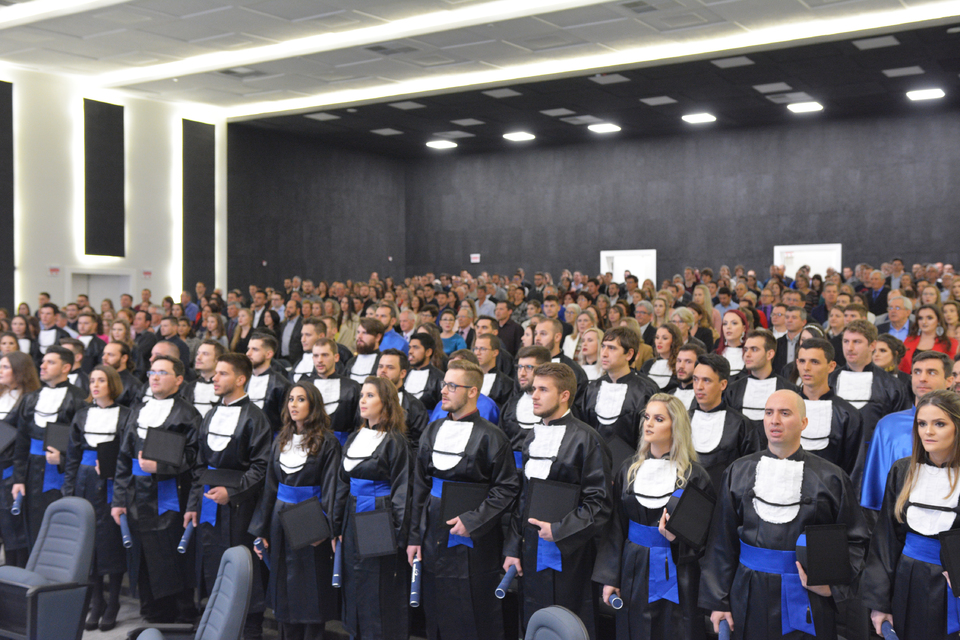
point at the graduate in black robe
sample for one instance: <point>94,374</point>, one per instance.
<point>765,502</point>
<point>153,495</point>
<point>748,394</point>
<point>267,387</point>
<point>556,559</point>
<point>341,394</point>
<point>516,416</point>
<point>613,403</point>
<point>118,356</point>
<point>720,434</point>
<point>92,344</point>
<point>461,564</point>
<point>424,379</point>
<point>95,424</point>
<point>234,436</point>
<point>56,401</point>
<point>497,385</point>
<point>375,474</point>
<point>394,366</point>
<point>13,529</point>
<point>303,464</point>
<point>903,581</point>
<point>657,577</point>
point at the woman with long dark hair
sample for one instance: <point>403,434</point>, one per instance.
<point>375,474</point>
<point>904,582</point>
<point>96,424</point>
<point>666,344</point>
<point>303,465</point>
<point>928,333</point>
<point>735,328</point>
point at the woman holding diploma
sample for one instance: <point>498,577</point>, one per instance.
<point>903,581</point>
<point>374,475</point>
<point>303,465</point>
<point>656,575</point>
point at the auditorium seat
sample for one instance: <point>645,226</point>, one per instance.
<point>555,623</point>
<point>47,599</point>
<point>226,610</point>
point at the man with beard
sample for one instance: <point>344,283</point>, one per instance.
<point>117,355</point>
<point>549,334</point>
<point>311,330</point>
<point>341,395</point>
<point>92,344</point>
<point>200,393</point>
<point>386,313</point>
<point>394,366</point>
<point>369,334</point>
<point>267,388</point>
<point>517,418</point>
<point>796,319</point>
<point>461,565</point>
<point>686,363</point>
<point>556,559</point>
<point>424,380</point>
<point>749,393</point>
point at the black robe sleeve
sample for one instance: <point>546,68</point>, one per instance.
<point>886,546</point>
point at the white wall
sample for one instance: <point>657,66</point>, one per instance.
<point>49,189</point>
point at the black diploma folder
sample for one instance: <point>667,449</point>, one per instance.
<point>8,435</point>
<point>375,533</point>
<point>950,554</point>
<point>107,453</point>
<point>690,518</point>
<point>57,436</point>
<point>164,446</point>
<point>304,524</point>
<point>229,478</point>
<point>826,558</point>
<point>461,497</point>
<point>551,501</point>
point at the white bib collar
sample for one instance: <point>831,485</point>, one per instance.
<point>756,394</point>
<point>293,456</point>
<point>330,392</point>
<point>655,482</point>
<point>450,443</point>
<point>707,429</point>
<point>856,387</point>
<point>48,405</point>
<point>816,436</point>
<point>223,424</point>
<point>101,425</point>
<point>543,449</point>
<point>610,401</point>
<point>777,489</point>
<point>153,414</point>
<point>364,444</point>
<point>932,489</point>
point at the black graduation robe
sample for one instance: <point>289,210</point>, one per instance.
<point>38,351</point>
<point>361,367</point>
<point>720,443</point>
<point>912,590</point>
<point>132,389</point>
<point>268,391</point>
<point>91,426</point>
<point>300,589</point>
<point>29,468</point>
<point>199,393</point>
<point>13,529</point>
<point>416,416</point>
<point>376,591</point>
<point>301,367</point>
<point>80,380</point>
<point>840,443</point>
<point>92,353</point>
<point>665,379</point>
<point>582,458</point>
<point>236,437</point>
<point>607,421</point>
<point>736,394</point>
<point>623,564</point>
<point>158,533</point>
<point>498,387</point>
<point>578,372</point>
<point>344,408</point>
<point>517,421</point>
<point>424,385</point>
<point>887,395</point>
<point>686,395</point>
<point>459,581</point>
<point>506,364</point>
<point>826,496</point>
<point>143,344</point>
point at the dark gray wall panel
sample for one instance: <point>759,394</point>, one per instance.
<point>199,204</point>
<point>7,264</point>
<point>104,185</point>
<point>310,210</point>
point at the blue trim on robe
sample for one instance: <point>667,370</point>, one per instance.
<point>52,478</point>
<point>296,495</point>
<point>927,550</point>
<point>892,440</point>
<point>167,497</point>
<point>662,572</point>
<point>89,458</point>
<point>794,600</point>
<point>367,491</point>
<point>436,490</point>
<point>486,407</point>
<point>208,508</point>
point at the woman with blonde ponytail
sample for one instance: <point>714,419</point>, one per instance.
<point>656,575</point>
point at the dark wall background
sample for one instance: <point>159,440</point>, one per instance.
<point>104,184</point>
<point>199,203</point>
<point>881,186</point>
<point>309,210</point>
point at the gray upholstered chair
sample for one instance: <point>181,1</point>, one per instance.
<point>226,610</point>
<point>47,599</point>
<point>555,623</point>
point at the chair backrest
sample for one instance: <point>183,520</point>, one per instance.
<point>226,610</point>
<point>555,623</point>
<point>64,547</point>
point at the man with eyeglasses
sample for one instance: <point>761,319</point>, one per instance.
<point>517,418</point>
<point>898,318</point>
<point>461,556</point>
<point>643,312</point>
<point>505,363</point>
<point>147,492</point>
<point>496,386</point>
<point>778,320</point>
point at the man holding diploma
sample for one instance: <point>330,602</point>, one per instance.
<point>556,559</point>
<point>461,554</point>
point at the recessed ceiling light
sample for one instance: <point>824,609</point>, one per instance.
<point>555,113</point>
<point>899,72</point>
<point>441,144</point>
<point>387,132</point>
<point>729,63</point>
<point>805,107</point>
<point>467,122</point>
<point>519,136</point>
<point>322,116</point>
<point>876,43</point>
<point>608,78</point>
<point>606,127</point>
<point>657,101</point>
<point>699,118</point>
<point>953,30</point>
<point>501,93</point>
<point>407,105</point>
<point>926,94</point>
<point>773,87</point>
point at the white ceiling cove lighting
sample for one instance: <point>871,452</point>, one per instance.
<point>805,107</point>
<point>37,10</point>
<point>926,94</point>
<point>519,136</point>
<point>699,118</point>
<point>606,127</point>
<point>441,144</point>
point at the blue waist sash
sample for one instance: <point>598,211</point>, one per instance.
<point>341,437</point>
<point>662,578</point>
<point>795,614</point>
<point>52,478</point>
<point>296,495</point>
<point>928,550</point>
<point>367,491</point>
<point>89,458</point>
<point>437,492</point>
<point>518,459</point>
<point>167,498</point>
<point>8,473</point>
<point>208,508</point>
